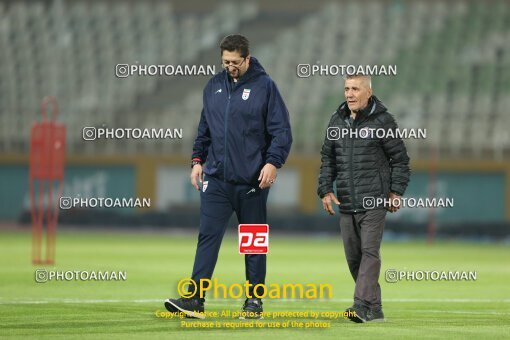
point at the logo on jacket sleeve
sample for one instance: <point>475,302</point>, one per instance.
<point>246,94</point>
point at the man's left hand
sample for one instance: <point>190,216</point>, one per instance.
<point>267,176</point>
<point>395,202</point>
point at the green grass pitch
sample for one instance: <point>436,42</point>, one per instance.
<point>156,262</point>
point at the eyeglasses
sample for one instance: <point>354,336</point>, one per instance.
<point>237,63</point>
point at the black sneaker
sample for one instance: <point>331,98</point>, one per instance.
<point>252,309</point>
<point>350,309</point>
<point>375,315</point>
<point>192,307</point>
<point>360,314</point>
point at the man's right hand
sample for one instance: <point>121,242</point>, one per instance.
<point>326,202</point>
<point>196,174</point>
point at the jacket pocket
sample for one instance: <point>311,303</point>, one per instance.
<point>385,185</point>
<point>381,184</point>
<point>252,143</point>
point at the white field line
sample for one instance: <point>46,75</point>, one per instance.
<point>462,312</point>
<point>223,301</point>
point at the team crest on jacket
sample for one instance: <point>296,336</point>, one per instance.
<point>246,94</point>
<point>204,186</point>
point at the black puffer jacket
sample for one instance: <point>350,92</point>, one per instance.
<point>362,167</point>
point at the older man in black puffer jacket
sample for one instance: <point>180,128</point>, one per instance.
<point>370,168</point>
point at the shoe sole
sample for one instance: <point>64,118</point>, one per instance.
<point>170,306</point>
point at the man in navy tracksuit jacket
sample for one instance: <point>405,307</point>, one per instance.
<point>244,135</point>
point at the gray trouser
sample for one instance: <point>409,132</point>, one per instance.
<point>362,235</point>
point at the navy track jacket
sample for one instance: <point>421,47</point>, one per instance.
<point>243,126</point>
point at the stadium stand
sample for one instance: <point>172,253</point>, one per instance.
<point>452,58</point>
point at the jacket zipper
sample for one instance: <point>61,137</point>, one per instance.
<point>354,204</point>
<point>225,152</point>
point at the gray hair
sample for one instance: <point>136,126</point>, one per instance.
<point>367,79</point>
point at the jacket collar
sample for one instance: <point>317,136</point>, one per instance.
<point>255,69</point>
<point>374,106</point>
